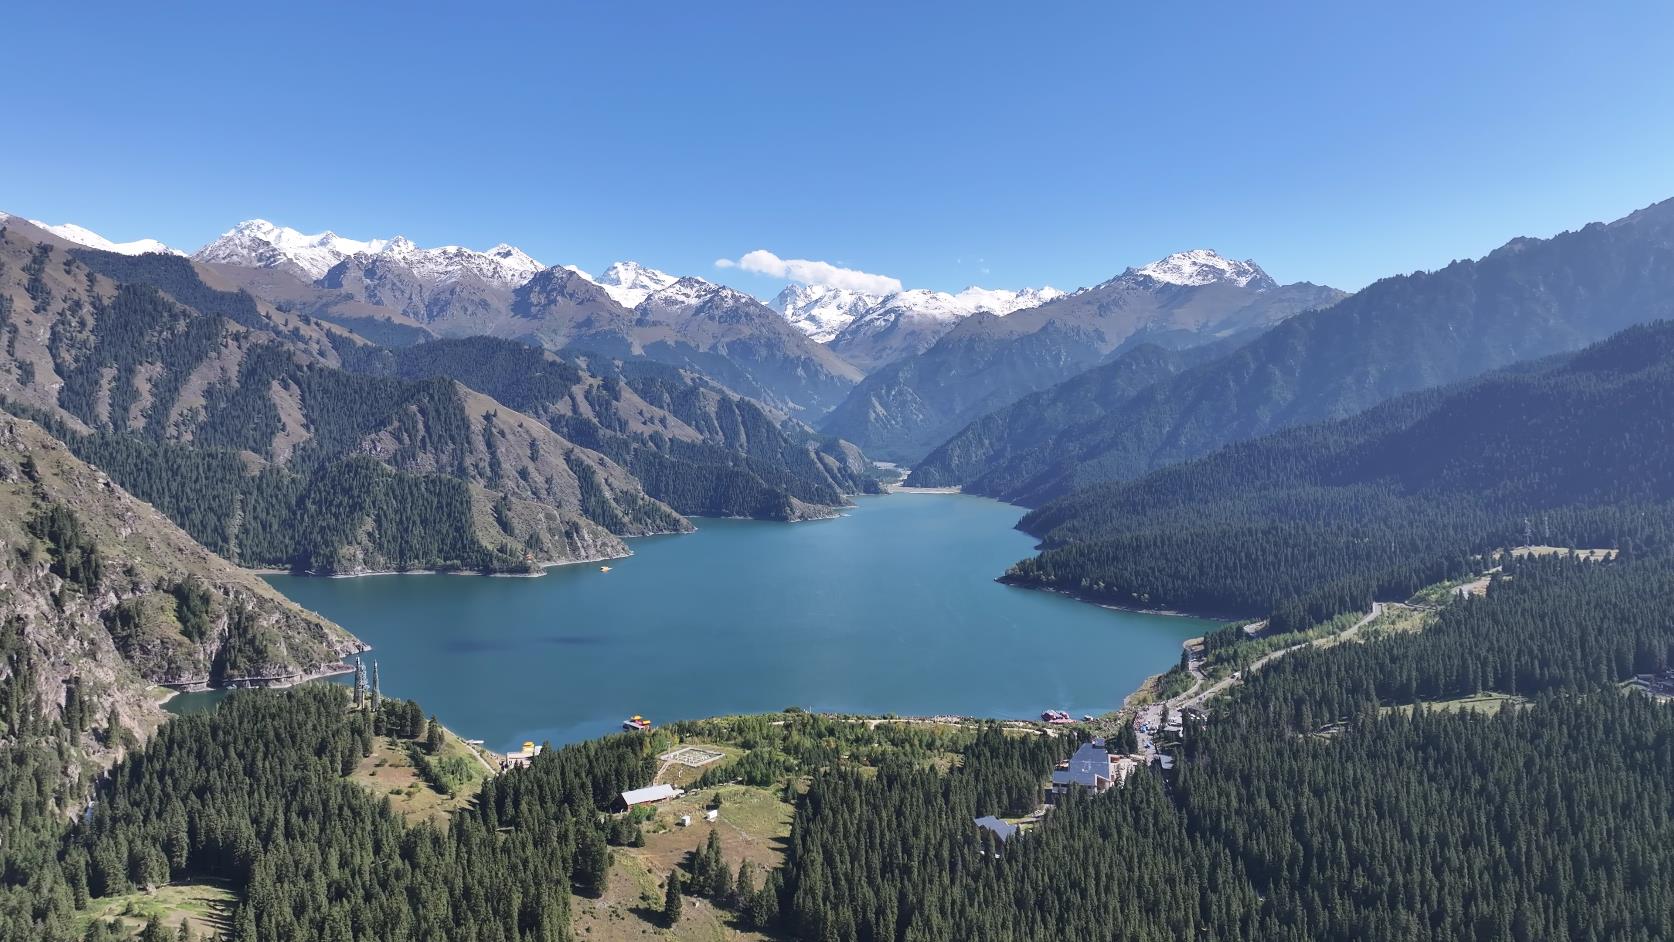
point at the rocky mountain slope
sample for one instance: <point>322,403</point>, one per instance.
<point>870,330</point>
<point>904,410</point>
<point>909,322</point>
<point>399,293</point>
<point>1000,452</point>
<point>87,238</point>
<point>257,243</point>
<point>1530,298</point>
<point>690,442</point>
<point>101,597</point>
<point>145,366</point>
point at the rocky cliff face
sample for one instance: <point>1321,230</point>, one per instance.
<point>102,599</point>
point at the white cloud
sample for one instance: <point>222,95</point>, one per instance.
<point>810,272</point>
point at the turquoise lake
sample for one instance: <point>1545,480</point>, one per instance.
<point>892,608</point>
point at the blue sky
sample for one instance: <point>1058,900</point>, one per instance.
<point>940,144</point>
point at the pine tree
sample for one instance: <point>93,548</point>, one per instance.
<point>671,898</point>
<point>744,888</point>
<point>592,861</point>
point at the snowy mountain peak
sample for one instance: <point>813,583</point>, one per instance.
<point>1199,267</point>
<point>821,311</point>
<point>261,244</point>
<point>80,235</point>
<point>629,283</point>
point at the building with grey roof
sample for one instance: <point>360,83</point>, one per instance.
<point>1003,830</point>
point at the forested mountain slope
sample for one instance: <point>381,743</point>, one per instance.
<point>904,410</point>
<point>690,443</point>
<point>1528,299</point>
<point>238,420</point>
<point>1310,807</point>
<point>1322,519</point>
<point>1009,445</point>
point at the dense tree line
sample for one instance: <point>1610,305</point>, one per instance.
<point>1308,808</point>
<point>254,794</point>
<point>1322,519</point>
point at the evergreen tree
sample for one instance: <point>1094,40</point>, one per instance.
<point>671,898</point>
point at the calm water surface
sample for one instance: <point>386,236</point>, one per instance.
<point>889,609</point>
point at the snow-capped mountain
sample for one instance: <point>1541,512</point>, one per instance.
<point>1198,267</point>
<point>821,311</point>
<point>630,282</point>
<point>257,243</point>
<point>908,322</point>
<point>905,408</point>
<point>503,264</point>
<point>80,235</point>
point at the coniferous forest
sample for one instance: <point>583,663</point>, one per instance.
<point>1323,519</point>
<point>1317,803</point>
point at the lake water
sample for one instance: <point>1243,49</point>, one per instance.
<point>891,608</point>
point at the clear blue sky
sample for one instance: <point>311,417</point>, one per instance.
<point>942,144</point>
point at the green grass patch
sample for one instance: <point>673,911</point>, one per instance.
<point>205,907</point>
<point>1488,703</point>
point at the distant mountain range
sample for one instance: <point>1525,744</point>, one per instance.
<point>70,232</point>
<point>213,404</point>
<point>905,409</point>
<point>1528,299</point>
<point>395,273</point>
<point>1025,395</point>
<point>872,330</point>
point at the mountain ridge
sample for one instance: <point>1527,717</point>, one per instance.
<point>905,409</point>
<point>1527,299</point>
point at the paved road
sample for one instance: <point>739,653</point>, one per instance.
<point>1197,700</point>
<point>1150,717</point>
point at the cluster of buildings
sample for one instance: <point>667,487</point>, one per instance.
<point>1093,769</point>
<point>1657,685</point>
<point>519,759</point>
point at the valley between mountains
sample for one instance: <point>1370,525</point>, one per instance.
<point>1190,435</point>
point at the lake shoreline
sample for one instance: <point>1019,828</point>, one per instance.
<point>259,683</point>
<point>1112,606</point>
<point>830,513</point>
<point>544,565</point>
<point>746,616</point>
